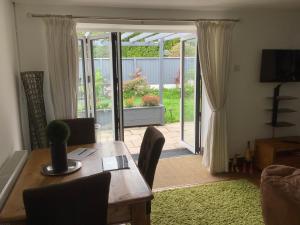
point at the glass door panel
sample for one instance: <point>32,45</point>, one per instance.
<point>101,60</point>
<point>100,82</point>
<point>190,97</point>
<point>81,95</point>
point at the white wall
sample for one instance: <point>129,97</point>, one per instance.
<point>10,137</point>
<point>247,97</point>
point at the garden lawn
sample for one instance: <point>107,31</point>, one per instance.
<point>171,101</point>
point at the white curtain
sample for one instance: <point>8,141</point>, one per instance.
<point>62,47</point>
<point>214,43</point>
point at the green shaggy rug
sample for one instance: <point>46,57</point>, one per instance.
<point>235,202</point>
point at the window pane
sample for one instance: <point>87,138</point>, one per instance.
<point>189,70</point>
<point>103,89</point>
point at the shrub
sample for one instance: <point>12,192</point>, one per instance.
<point>189,90</point>
<point>137,73</point>
<point>153,91</point>
<point>150,100</point>
<point>136,87</point>
<point>129,102</point>
<point>99,83</point>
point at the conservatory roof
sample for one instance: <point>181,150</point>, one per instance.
<point>140,38</point>
<point>148,37</point>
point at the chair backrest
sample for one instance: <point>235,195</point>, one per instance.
<point>151,148</point>
<point>79,202</point>
<point>82,131</point>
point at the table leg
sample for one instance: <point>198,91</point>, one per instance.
<point>138,215</point>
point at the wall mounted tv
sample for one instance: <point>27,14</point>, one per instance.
<point>280,65</point>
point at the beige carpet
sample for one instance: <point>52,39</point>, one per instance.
<point>182,171</point>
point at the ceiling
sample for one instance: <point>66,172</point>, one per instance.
<point>178,4</point>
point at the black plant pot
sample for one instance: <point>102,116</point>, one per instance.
<point>59,157</point>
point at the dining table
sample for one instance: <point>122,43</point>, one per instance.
<point>128,196</point>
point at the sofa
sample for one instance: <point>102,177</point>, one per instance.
<point>280,189</point>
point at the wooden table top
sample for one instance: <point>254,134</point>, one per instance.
<point>127,186</point>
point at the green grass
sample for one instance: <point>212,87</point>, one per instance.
<point>171,101</point>
<point>234,202</point>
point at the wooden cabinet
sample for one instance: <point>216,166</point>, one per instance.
<point>284,150</point>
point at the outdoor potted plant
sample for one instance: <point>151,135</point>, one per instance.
<point>141,105</point>
<point>58,133</point>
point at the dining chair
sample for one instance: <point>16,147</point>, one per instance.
<point>152,144</point>
<point>82,131</point>
<point>83,201</point>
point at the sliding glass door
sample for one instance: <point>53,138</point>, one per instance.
<point>190,95</point>
<point>103,84</point>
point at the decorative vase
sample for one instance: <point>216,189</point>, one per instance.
<point>33,88</point>
<point>59,157</point>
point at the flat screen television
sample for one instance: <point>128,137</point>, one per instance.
<point>280,65</point>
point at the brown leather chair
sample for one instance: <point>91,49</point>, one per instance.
<point>152,144</point>
<point>82,131</point>
<point>280,188</point>
<point>78,202</point>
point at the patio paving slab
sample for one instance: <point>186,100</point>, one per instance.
<point>133,137</point>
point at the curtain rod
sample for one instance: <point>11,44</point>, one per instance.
<point>133,19</point>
